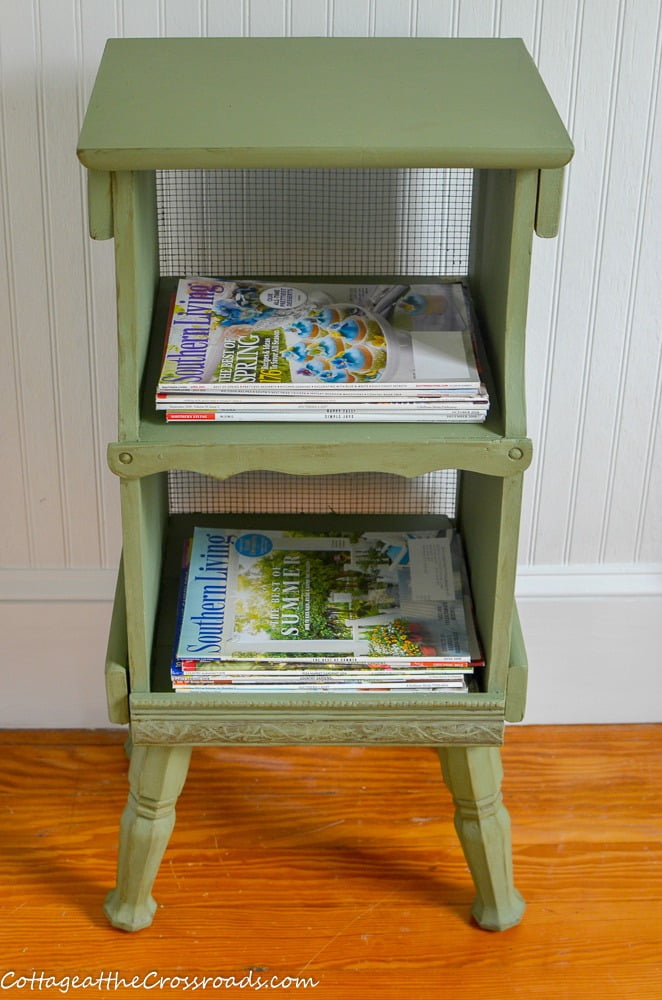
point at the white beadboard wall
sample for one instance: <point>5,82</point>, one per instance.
<point>591,546</point>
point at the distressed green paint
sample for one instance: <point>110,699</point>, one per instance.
<point>312,102</point>
<point>136,275</point>
<point>518,671</point>
<point>504,209</point>
<point>117,659</point>
<point>144,517</point>
<point>100,204</point>
<point>156,778</point>
<point>231,449</point>
<point>473,776</point>
<point>383,102</point>
<point>488,515</point>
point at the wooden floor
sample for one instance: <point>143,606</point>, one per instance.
<point>341,867</point>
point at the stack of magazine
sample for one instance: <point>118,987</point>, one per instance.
<point>247,350</point>
<point>282,611</point>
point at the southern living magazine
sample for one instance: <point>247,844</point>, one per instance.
<point>259,599</point>
<point>228,336</point>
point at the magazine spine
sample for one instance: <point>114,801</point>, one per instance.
<point>338,415</point>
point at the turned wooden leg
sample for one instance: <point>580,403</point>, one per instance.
<point>473,776</point>
<point>156,777</point>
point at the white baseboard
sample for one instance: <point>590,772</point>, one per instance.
<point>539,582</point>
<point>70,585</point>
<point>53,653</point>
<point>593,659</point>
<point>593,637</point>
<point>592,581</point>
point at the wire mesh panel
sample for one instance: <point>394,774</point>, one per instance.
<point>257,223</point>
<point>319,222</point>
<point>347,493</point>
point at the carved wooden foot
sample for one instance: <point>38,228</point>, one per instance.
<point>473,776</point>
<point>156,777</point>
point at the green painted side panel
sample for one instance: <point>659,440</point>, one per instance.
<point>144,517</point>
<point>137,272</point>
<point>502,228</point>
<point>488,514</point>
<point>518,673</point>
<point>117,659</point>
<point>309,102</point>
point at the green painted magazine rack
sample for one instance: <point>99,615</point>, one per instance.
<point>187,115</point>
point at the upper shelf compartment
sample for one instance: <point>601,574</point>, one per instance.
<point>228,448</point>
<point>348,109</point>
<point>184,103</point>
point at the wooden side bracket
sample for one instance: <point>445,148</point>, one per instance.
<point>550,200</point>
<point>100,204</point>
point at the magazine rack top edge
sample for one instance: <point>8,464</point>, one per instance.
<point>185,103</point>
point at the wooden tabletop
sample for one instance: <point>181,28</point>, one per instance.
<point>308,102</point>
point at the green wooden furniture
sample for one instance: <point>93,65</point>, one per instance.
<point>209,104</point>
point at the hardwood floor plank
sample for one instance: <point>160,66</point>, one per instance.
<point>342,864</point>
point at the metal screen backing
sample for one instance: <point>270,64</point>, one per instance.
<point>258,223</point>
<point>348,493</point>
<point>324,223</point>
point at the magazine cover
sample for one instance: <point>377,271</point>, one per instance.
<point>230,336</point>
<point>269,598</point>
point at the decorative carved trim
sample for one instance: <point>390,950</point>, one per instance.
<point>500,457</point>
<point>146,731</point>
<point>188,703</point>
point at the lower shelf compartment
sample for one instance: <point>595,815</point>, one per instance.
<point>161,716</point>
<point>385,591</point>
